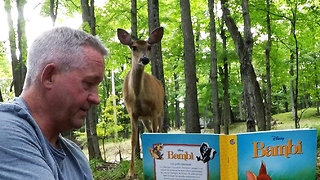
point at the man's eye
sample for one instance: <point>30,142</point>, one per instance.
<point>87,85</point>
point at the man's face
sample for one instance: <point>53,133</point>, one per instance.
<point>75,91</point>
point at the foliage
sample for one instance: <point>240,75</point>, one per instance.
<point>5,68</point>
<point>5,75</point>
<point>107,127</point>
<point>81,137</point>
<point>105,170</point>
<point>116,14</point>
<point>65,8</point>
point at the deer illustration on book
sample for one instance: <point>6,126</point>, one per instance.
<point>207,153</point>
<point>262,173</point>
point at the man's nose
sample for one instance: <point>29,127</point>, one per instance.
<point>94,98</point>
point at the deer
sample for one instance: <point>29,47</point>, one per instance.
<point>143,93</point>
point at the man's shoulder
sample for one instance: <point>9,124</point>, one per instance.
<point>17,125</point>
<point>13,108</point>
<point>15,114</point>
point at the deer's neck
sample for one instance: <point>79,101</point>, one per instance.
<point>136,79</point>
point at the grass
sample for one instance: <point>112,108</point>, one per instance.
<point>114,169</point>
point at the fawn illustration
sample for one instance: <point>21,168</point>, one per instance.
<point>262,174</point>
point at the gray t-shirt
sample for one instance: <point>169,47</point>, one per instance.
<point>25,154</point>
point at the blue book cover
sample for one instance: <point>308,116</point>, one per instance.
<point>265,155</point>
<point>180,156</point>
<point>279,155</point>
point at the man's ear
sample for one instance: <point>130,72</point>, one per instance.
<point>47,75</point>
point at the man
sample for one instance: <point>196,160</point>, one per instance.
<point>64,69</point>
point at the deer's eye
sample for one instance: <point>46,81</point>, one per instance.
<point>134,48</point>
<point>149,48</point>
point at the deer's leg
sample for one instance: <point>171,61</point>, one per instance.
<point>146,123</point>
<point>155,123</point>
<point>160,122</point>
<point>134,141</point>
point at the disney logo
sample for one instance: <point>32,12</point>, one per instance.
<point>180,150</point>
<point>277,138</point>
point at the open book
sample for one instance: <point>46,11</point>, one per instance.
<point>277,155</point>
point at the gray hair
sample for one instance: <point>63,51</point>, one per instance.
<point>62,46</point>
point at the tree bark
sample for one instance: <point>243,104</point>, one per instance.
<point>253,102</point>
<point>268,74</point>
<point>54,4</point>
<point>156,56</point>
<point>22,43</point>
<point>1,98</point>
<point>214,68</point>
<point>92,137</point>
<point>191,100</point>
<point>177,102</point>
<point>134,30</point>
<point>18,67</point>
<point>88,17</point>
<point>225,81</point>
<point>134,21</point>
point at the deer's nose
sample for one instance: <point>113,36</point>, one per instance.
<point>145,60</point>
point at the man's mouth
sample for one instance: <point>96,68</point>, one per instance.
<point>84,110</point>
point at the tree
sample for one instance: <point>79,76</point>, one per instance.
<point>89,21</point>
<point>268,73</point>
<point>156,53</point>
<point>18,63</point>
<point>134,30</point>
<point>191,100</point>
<point>254,106</point>
<point>54,4</point>
<point>1,98</point>
<point>214,68</point>
<point>225,80</point>
<point>294,59</point>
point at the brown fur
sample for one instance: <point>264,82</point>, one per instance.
<point>143,93</point>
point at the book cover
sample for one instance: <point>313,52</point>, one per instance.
<point>285,155</point>
<point>276,155</point>
<point>181,156</point>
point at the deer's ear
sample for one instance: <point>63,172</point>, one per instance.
<point>263,168</point>
<point>156,35</point>
<point>250,176</point>
<point>124,37</point>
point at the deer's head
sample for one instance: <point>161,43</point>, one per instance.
<point>140,49</point>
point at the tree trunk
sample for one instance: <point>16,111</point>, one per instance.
<point>134,21</point>
<point>92,137</point>
<point>253,102</point>
<point>191,100</point>
<point>177,102</point>
<point>54,4</point>
<point>316,89</point>
<point>294,60</point>
<point>22,45</point>
<point>17,64</point>
<point>88,17</point>
<point>156,55</point>
<point>268,74</point>
<point>225,82</point>
<point>1,98</point>
<point>214,71</point>
<point>134,30</point>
